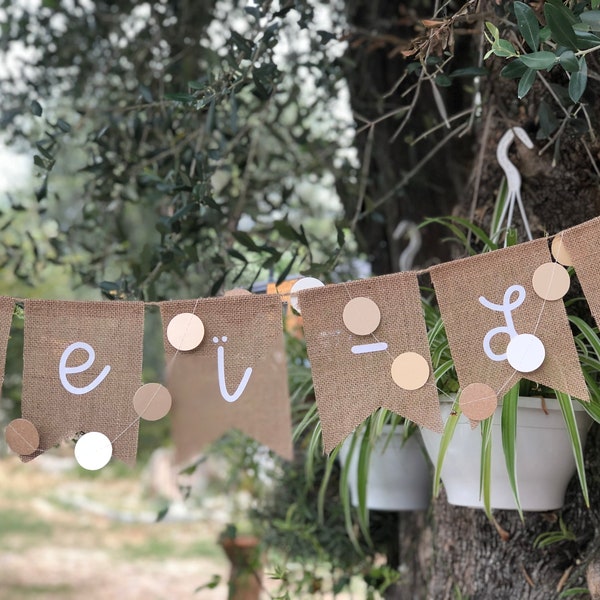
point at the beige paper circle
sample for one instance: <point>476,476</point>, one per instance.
<point>22,437</point>
<point>551,281</point>
<point>410,371</point>
<point>306,283</point>
<point>361,316</point>
<point>560,253</point>
<point>152,401</point>
<point>478,401</point>
<point>237,292</point>
<point>185,331</point>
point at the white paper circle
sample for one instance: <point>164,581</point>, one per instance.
<point>93,451</point>
<point>303,284</point>
<point>525,353</point>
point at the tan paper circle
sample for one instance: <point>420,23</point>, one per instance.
<point>361,316</point>
<point>152,401</point>
<point>551,281</point>
<point>410,371</point>
<point>478,401</point>
<point>22,437</point>
<point>237,292</point>
<point>560,253</point>
<point>185,331</point>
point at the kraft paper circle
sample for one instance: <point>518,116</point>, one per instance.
<point>361,316</point>
<point>560,253</point>
<point>525,353</point>
<point>22,437</point>
<point>478,401</point>
<point>305,283</point>
<point>93,451</point>
<point>237,292</point>
<point>410,371</point>
<point>152,401</point>
<point>185,331</point>
<point>551,281</point>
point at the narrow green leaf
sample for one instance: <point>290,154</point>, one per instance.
<point>566,406</point>
<point>525,83</point>
<point>362,473</point>
<point>504,48</point>
<point>528,24</point>
<point>539,60</point>
<point>591,18</point>
<point>578,81</point>
<point>322,495</point>
<point>449,429</point>
<point>509,440</point>
<point>485,474</point>
<point>514,69</point>
<point>560,24</point>
<point>344,490</point>
<point>569,61</point>
<point>36,108</point>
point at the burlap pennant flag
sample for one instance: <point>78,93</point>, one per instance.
<point>82,367</point>
<point>582,245</point>
<point>495,319</point>
<point>367,346</point>
<point>7,307</point>
<point>236,378</point>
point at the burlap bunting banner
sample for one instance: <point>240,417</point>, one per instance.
<point>489,299</point>
<point>351,351</point>
<point>82,367</point>
<point>235,378</point>
<point>583,246</point>
<point>7,307</point>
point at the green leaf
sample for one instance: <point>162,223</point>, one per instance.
<point>36,108</point>
<point>485,474</point>
<point>179,97</point>
<point>539,60</point>
<point>442,80</point>
<point>569,61</point>
<point>504,48</point>
<point>449,429</point>
<point>560,22</point>
<point>591,18</point>
<point>514,69</point>
<point>509,440</point>
<point>63,125</point>
<point>525,83</point>
<point>578,81</point>
<point>528,24</point>
<point>566,406</point>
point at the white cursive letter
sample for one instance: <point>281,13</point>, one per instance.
<point>63,370</point>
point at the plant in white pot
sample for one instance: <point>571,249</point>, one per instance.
<point>522,456</point>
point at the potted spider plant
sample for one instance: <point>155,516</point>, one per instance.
<point>523,456</point>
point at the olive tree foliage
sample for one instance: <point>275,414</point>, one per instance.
<point>202,140</point>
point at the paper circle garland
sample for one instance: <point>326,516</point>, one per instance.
<point>93,451</point>
<point>185,331</point>
<point>525,353</point>
<point>361,316</point>
<point>22,437</point>
<point>560,253</point>
<point>152,401</point>
<point>478,401</point>
<point>305,283</point>
<point>410,371</point>
<point>551,281</point>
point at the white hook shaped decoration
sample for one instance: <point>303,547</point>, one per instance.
<point>513,177</point>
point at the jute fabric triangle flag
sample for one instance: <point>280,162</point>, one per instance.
<point>235,378</point>
<point>355,332</point>
<point>7,307</point>
<point>82,367</point>
<point>499,330</point>
<point>583,246</point>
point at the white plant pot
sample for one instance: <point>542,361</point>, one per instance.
<point>399,474</point>
<point>545,462</point>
